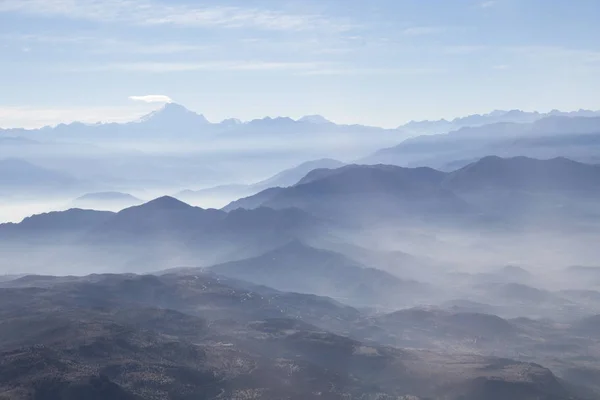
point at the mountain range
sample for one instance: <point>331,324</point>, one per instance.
<point>371,282</point>
<point>159,233</point>
<point>497,116</point>
<point>513,187</point>
<point>175,120</point>
<point>174,117</point>
<point>323,207</point>
<point>555,136</point>
<point>144,155</point>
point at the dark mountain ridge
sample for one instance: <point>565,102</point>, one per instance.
<point>486,187</point>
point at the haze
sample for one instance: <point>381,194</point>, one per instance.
<point>386,200</point>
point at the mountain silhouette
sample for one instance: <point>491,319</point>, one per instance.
<point>522,173</point>
<point>284,178</point>
<point>547,137</point>
<point>297,267</point>
<point>358,191</point>
<point>20,174</point>
<point>106,200</point>
<point>173,116</point>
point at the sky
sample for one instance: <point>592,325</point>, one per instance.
<point>375,62</point>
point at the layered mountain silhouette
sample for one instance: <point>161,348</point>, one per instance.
<point>156,234</point>
<point>522,173</point>
<point>19,177</point>
<point>494,117</point>
<point>552,136</point>
<point>297,267</point>
<point>174,119</point>
<point>106,201</point>
<point>285,178</point>
<point>489,185</point>
<point>362,191</point>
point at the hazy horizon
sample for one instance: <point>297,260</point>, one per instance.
<point>146,111</point>
<point>379,63</point>
<point>299,199</point>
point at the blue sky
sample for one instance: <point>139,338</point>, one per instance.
<point>378,62</point>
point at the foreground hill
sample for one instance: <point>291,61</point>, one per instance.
<point>141,337</point>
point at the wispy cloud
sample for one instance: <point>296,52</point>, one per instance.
<point>487,4</point>
<point>164,67</point>
<point>373,71</point>
<point>463,49</point>
<point>423,30</point>
<point>557,53</point>
<point>104,45</point>
<point>152,98</point>
<point>152,12</point>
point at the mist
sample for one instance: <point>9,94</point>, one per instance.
<point>457,254</point>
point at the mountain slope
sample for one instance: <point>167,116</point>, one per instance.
<point>162,233</point>
<point>19,176</point>
<point>494,117</point>
<point>360,191</point>
<point>522,173</point>
<point>549,137</point>
<point>146,337</point>
<point>106,201</point>
<point>50,226</point>
<point>297,267</point>
<point>285,178</point>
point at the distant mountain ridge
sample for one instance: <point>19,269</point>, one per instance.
<point>175,118</point>
<point>284,178</point>
<point>428,127</point>
<point>106,200</point>
<point>552,136</point>
<point>20,178</point>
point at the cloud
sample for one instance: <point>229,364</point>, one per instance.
<point>487,4</point>
<point>152,12</point>
<point>164,67</point>
<point>423,30</point>
<point>557,53</point>
<point>373,71</point>
<point>463,49</point>
<point>104,45</point>
<point>152,98</point>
